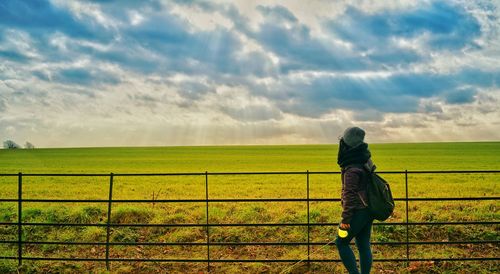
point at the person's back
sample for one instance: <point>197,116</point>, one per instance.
<point>356,219</point>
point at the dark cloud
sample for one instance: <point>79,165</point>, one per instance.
<point>479,77</point>
<point>460,96</point>
<point>376,35</point>
<point>144,100</point>
<point>163,43</point>
<point>42,75</point>
<point>180,49</point>
<point>297,48</point>
<point>373,35</point>
<point>206,6</point>
<point>156,4</point>
<point>38,22</point>
<point>398,93</point>
<point>40,17</point>
<point>319,96</point>
<point>431,107</point>
<point>132,57</point>
<point>487,103</point>
<point>14,56</point>
<point>278,12</point>
<point>193,90</point>
<point>449,27</point>
<point>79,76</point>
<point>3,105</point>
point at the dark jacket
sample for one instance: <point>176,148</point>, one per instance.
<point>354,183</point>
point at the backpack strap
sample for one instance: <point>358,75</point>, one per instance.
<point>369,166</point>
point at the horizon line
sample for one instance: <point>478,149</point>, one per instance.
<point>257,145</point>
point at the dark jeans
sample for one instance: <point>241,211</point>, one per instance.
<point>361,226</point>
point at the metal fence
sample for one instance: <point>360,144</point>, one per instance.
<point>306,200</point>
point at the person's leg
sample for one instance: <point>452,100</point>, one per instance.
<point>364,248</point>
<point>346,254</point>
<point>358,223</point>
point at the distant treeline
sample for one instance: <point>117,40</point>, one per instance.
<point>9,144</point>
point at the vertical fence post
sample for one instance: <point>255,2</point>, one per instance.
<point>19,218</point>
<point>108,228</point>
<point>207,231</point>
<point>407,221</point>
<point>308,225</point>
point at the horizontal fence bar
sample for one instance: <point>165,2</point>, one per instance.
<point>240,200</point>
<point>104,174</point>
<point>441,172</point>
<point>247,173</point>
<point>451,199</point>
<point>255,224</point>
<point>243,260</point>
<point>243,243</point>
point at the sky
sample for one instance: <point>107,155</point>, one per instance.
<point>168,73</point>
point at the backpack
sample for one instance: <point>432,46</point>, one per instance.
<point>380,201</point>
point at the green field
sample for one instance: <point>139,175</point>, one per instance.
<point>387,157</point>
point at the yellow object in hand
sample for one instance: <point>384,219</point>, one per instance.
<point>342,233</point>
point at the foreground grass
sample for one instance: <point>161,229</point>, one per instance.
<point>447,156</point>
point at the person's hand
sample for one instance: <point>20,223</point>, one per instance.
<point>345,226</point>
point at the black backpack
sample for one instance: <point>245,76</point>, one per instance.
<point>380,201</point>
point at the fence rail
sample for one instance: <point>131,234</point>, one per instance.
<point>110,202</point>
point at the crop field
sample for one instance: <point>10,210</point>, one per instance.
<point>387,157</point>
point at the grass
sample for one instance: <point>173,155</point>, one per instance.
<point>432,156</point>
<point>395,157</point>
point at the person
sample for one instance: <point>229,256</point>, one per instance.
<point>353,157</point>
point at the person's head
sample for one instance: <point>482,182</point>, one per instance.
<point>353,136</point>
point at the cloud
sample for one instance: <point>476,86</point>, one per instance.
<point>479,77</point>
<point>297,48</point>
<point>13,56</point>
<point>144,100</point>
<point>41,17</point>
<point>3,106</point>
<point>208,6</point>
<point>403,38</point>
<point>163,42</point>
<point>449,26</point>
<point>368,115</point>
<point>84,76</point>
<point>278,12</point>
<point>394,93</point>
<point>405,122</point>
<point>252,113</point>
<point>194,52</point>
<point>194,90</point>
<point>460,96</point>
